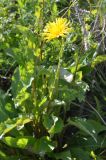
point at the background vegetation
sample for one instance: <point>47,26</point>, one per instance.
<point>51,110</point>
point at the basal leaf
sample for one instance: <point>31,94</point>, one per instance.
<point>10,124</point>
<point>90,127</point>
<point>80,154</point>
<point>65,155</point>
<point>43,145</point>
<point>53,124</point>
<point>20,142</point>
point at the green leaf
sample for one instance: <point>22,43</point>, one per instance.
<point>54,8</point>
<point>3,156</point>
<point>20,85</point>
<point>43,145</point>
<point>64,74</point>
<point>90,127</point>
<point>98,60</point>
<point>21,3</point>
<point>22,28</point>
<point>80,154</point>
<point>39,146</point>
<point>10,124</point>
<point>66,155</point>
<point>21,97</point>
<point>88,143</point>
<point>77,91</point>
<point>20,142</point>
<point>93,155</point>
<point>53,124</point>
<point>3,113</point>
<point>7,109</point>
<point>43,101</point>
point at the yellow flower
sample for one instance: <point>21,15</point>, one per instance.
<point>56,29</point>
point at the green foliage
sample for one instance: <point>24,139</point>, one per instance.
<point>45,79</point>
<point>98,60</point>
<point>53,124</point>
<point>90,127</point>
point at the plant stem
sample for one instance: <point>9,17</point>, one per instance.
<point>76,67</point>
<point>55,85</point>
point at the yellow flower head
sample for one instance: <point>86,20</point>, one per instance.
<point>56,29</point>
